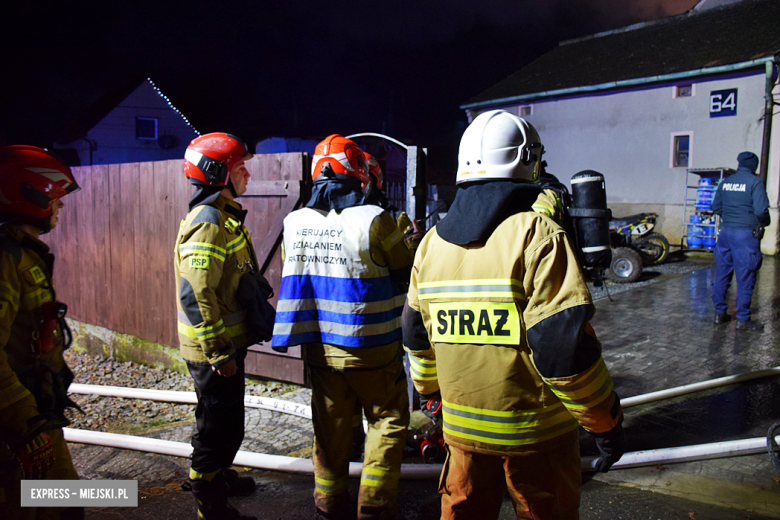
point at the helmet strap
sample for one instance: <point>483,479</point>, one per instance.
<point>232,188</point>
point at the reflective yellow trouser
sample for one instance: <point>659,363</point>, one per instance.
<point>11,477</point>
<point>382,394</point>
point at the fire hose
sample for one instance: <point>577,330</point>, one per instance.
<point>418,471</point>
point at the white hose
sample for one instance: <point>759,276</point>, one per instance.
<point>714,450</point>
<point>415,471</point>
<point>301,410</point>
<point>172,396</point>
<point>697,387</point>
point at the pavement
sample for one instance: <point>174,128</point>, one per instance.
<point>656,335</point>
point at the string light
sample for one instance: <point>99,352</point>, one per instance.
<point>171,105</point>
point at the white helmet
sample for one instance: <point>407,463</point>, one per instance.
<point>499,145</point>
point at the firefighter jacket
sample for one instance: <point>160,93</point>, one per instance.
<point>511,347</point>
<point>213,251</point>
<point>340,293</point>
<point>34,378</point>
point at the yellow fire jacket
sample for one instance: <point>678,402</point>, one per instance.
<point>511,347</point>
<point>212,253</point>
<point>33,376</point>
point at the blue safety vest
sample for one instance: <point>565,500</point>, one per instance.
<point>332,291</point>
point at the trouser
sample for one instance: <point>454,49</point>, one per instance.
<point>542,486</point>
<point>10,485</point>
<point>219,416</point>
<point>737,252</point>
<point>382,394</point>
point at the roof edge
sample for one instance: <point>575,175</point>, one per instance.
<point>705,71</point>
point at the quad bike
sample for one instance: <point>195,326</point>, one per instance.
<point>635,244</point>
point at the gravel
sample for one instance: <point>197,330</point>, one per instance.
<point>118,415</point>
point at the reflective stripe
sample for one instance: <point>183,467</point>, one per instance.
<point>593,249</point>
<point>543,209</point>
<point>236,245</point>
<point>507,427</point>
<point>393,239</point>
<point>359,312</point>
<point>191,332</point>
<point>337,333</point>
<point>497,288</point>
<point>12,394</point>
<point>423,369</point>
<point>228,319</point>
<point>586,391</point>
<point>202,248</point>
<point>587,179</point>
<point>11,293</point>
<point>232,224</point>
<point>340,307</point>
<point>34,299</point>
<point>329,487</point>
<point>376,477</point>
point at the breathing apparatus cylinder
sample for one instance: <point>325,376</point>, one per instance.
<point>591,218</point>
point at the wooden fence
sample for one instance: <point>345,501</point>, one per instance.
<point>115,237</point>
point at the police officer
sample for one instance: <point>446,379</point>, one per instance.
<point>213,252</point>
<point>34,378</point>
<point>743,207</point>
<point>339,299</point>
<point>497,324</point>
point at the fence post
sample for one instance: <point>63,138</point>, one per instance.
<point>416,189</point>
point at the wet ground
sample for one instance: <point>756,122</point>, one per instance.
<point>655,336</point>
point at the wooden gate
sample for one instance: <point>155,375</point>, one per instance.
<point>114,246</point>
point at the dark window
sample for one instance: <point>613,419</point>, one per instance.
<point>684,90</point>
<point>146,128</point>
<point>526,110</point>
<point>682,149</point>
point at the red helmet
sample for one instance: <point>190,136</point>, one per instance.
<point>31,178</point>
<point>340,155</point>
<point>209,158</point>
<point>375,170</point>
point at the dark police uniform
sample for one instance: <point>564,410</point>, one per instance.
<point>742,204</point>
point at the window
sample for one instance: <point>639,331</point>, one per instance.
<point>683,91</point>
<point>526,110</point>
<point>146,128</point>
<point>682,143</point>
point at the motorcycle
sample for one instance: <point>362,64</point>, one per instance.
<point>634,243</point>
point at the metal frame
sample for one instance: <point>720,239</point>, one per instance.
<point>713,173</point>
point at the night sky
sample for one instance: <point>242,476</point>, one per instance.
<point>286,68</point>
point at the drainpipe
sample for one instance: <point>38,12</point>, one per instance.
<point>769,108</point>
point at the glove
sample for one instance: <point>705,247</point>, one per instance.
<point>430,405</point>
<point>611,445</point>
<point>36,457</point>
<point>414,235</point>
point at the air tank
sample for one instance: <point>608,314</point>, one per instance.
<point>591,218</point>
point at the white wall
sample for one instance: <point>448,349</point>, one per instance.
<point>115,134</point>
<point>627,136</point>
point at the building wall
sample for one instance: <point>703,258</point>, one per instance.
<point>627,136</point>
<point>115,134</point>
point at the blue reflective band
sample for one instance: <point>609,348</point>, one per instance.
<point>303,287</point>
<point>337,339</point>
<point>336,317</point>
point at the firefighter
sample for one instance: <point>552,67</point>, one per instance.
<point>497,326</point>
<point>339,299</point>
<point>34,378</point>
<point>213,252</point>
<point>743,207</point>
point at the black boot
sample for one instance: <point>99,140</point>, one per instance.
<point>237,485</point>
<point>721,318</point>
<point>211,498</point>
<point>750,325</point>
